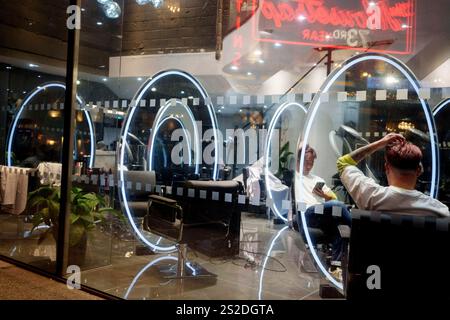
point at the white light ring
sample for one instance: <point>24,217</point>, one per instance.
<point>440,106</point>
<point>267,258</point>
<point>313,110</point>
<point>136,278</point>
<point>27,100</point>
<point>268,144</point>
<point>121,156</point>
<point>157,124</point>
<point>153,137</point>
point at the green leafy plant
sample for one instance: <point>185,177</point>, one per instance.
<point>284,157</point>
<point>86,210</point>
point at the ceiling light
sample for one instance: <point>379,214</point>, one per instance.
<point>105,79</point>
<point>39,76</point>
<point>8,67</point>
<point>32,65</point>
<point>391,80</point>
<point>249,73</point>
<point>182,92</point>
<point>261,61</point>
<point>371,3</point>
<point>143,2</point>
<point>78,82</point>
<point>112,9</point>
<point>277,45</point>
<point>99,23</point>
<point>258,52</point>
<point>233,67</point>
<point>153,89</point>
<point>139,79</point>
<point>157,3</point>
<point>405,26</point>
<point>301,17</point>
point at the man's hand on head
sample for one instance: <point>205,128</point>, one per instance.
<point>390,139</point>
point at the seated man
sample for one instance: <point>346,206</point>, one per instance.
<point>402,166</point>
<point>311,194</point>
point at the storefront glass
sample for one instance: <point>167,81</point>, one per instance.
<point>192,123</point>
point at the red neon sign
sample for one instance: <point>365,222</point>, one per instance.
<point>349,24</point>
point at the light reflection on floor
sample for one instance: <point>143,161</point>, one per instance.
<point>268,267</point>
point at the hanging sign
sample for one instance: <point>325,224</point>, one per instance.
<point>367,25</point>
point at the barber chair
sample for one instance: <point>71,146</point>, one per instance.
<point>409,255</point>
<point>138,199</point>
<point>202,214</point>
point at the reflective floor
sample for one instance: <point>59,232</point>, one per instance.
<point>269,266</point>
<point>272,264</point>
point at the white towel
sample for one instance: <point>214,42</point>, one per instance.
<point>13,189</point>
<point>50,173</point>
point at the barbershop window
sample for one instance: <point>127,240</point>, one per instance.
<point>204,132</point>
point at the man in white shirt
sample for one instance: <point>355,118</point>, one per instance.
<point>320,202</point>
<point>403,167</point>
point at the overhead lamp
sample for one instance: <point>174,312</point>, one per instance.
<point>258,52</point>
<point>32,65</point>
<point>157,3</point>
<point>234,67</point>
<point>261,61</point>
<point>143,2</point>
<point>99,23</point>
<point>301,18</point>
<point>112,9</point>
<point>277,45</point>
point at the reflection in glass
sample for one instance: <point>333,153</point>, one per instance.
<point>36,133</point>
<point>441,117</point>
<point>148,143</point>
<point>272,243</point>
<point>278,183</point>
<point>338,127</point>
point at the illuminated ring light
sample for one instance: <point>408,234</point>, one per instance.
<point>440,106</point>
<point>25,103</point>
<point>267,258</point>
<point>125,130</point>
<point>272,124</point>
<point>310,120</point>
<point>159,121</point>
<point>136,278</point>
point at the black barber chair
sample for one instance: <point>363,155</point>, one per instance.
<point>138,199</point>
<point>411,254</point>
<point>202,214</point>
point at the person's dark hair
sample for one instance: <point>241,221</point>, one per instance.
<point>307,150</point>
<point>404,156</point>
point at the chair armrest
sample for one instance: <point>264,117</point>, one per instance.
<point>344,231</point>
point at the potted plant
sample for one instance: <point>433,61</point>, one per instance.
<point>283,172</point>
<point>86,210</point>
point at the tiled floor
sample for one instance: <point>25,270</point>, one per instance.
<point>268,267</point>
<point>277,248</point>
